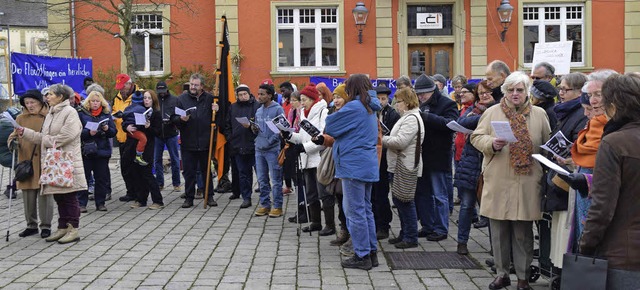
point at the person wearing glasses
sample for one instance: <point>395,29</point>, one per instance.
<point>511,192</point>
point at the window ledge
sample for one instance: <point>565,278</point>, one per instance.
<point>309,72</point>
<point>147,74</point>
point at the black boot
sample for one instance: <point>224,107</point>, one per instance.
<point>330,221</point>
<point>314,217</point>
<point>343,237</point>
<point>300,216</point>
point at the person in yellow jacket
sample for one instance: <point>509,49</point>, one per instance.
<point>126,88</point>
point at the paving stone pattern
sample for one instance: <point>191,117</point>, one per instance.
<point>223,247</point>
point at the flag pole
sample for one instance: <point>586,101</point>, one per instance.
<point>214,132</point>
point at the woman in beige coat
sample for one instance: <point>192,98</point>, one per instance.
<point>62,126</point>
<point>511,193</point>
<point>35,203</point>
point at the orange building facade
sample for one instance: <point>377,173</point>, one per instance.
<point>291,40</point>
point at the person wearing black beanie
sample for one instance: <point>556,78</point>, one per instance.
<point>543,95</point>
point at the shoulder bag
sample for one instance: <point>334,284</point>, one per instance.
<point>326,168</point>
<point>404,179</point>
<point>57,168</point>
<point>24,169</point>
<point>583,272</point>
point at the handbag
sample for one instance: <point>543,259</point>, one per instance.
<point>326,171</point>
<point>404,179</point>
<point>480,182</point>
<point>24,169</point>
<point>57,168</point>
<point>283,154</point>
<point>89,148</point>
<point>583,272</point>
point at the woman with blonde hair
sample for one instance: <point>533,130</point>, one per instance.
<point>96,147</point>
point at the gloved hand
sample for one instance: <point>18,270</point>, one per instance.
<point>286,135</point>
<point>578,182</point>
<point>299,148</point>
<point>318,140</point>
<point>118,114</point>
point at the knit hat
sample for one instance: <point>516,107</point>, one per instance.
<point>440,78</point>
<point>311,91</point>
<point>122,79</point>
<point>424,84</point>
<point>137,97</point>
<point>243,88</point>
<point>34,94</point>
<point>267,82</point>
<point>543,90</point>
<point>340,91</point>
<point>161,87</point>
<point>382,90</point>
<point>584,99</point>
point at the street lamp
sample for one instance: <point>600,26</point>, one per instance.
<point>504,12</point>
<point>360,14</point>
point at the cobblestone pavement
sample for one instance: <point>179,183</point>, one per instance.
<point>223,247</point>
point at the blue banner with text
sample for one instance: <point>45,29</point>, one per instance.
<point>39,72</point>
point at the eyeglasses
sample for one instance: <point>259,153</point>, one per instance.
<point>485,93</point>
<point>535,78</point>
<point>597,94</point>
<point>518,90</point>
<point>564,90</point>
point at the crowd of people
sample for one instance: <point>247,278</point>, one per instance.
<point>356,146</point>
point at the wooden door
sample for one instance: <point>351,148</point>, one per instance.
<point>430,59</point>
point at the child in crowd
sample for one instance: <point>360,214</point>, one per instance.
<point>139,104</point>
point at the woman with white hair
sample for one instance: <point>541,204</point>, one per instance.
<point>511,193</point>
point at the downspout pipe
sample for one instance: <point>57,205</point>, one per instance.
<point>74,44</point>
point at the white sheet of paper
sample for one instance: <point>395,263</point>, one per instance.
<point>503,130</point>
<point>243,120</point>
<point>140,119</point>
<point>272,126</point>
<point>283,128</point>
<point>7,116</point>
<point>453,125</point>
<point>550,164</point>
<point>92,126</point>
<point>180,112</point>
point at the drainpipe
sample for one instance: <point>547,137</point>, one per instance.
<point>73,29</point>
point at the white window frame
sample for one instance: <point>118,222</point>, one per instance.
<point>146,33</point>
<point>541,22</point>
<point>296,26</point>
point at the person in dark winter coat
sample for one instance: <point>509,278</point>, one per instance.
<point>96,109</point>
<point>242,141</point>
<point>380,191</point>
<point>432,192</point>
<point>543,95</point>
<point>168,137</point>
<point>129,118</point>
<point>469,167</point>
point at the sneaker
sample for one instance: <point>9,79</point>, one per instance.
<point>83,209</point>
<point>156,206</point>
<point>347,248</point>
<point>482,223</point>
<point>462,249</point>
<point>405,245</point>
<point>262,211</point>
<point>246,203</point>
<point>275,212</point>
<point>28,232</point>
<point>136,205</point>
<point>356,262</point>
<point>101,208</point>
<point>177,188</point>
<point>436,237</point>
<point>140,161</point>
<point>212,202</point>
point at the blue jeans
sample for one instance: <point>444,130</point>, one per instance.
<point>172,147</point>
<point>432,202</point>
<point>244,163</point>
<point>357,209</point>
<point>408,218</point>
<point>449,185</point>
<point>468,201</point>
<point>267,165</point>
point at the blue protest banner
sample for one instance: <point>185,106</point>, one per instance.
<point>39,72</point>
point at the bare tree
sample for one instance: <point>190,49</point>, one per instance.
<point>114,18</point>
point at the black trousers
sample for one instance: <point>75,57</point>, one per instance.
<point>147,184</point>
<point>127,155</point>
<point>380,197</point>
<point>190,162</point>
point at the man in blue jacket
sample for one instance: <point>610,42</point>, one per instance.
<point>267,150</point>
<point>432,193</point>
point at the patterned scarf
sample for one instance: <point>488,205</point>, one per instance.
<point>519,152</point>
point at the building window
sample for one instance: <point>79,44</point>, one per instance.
<point>307,39</point>
<point>147,43</point>
<point>552,23</point>
<point>430,20</point>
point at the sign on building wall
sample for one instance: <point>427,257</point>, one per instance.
<point>39,72</point>
<point>557,54</point>
<point>429,20</point>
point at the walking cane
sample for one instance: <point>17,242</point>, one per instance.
<point>304,194</point>
<point>11,187</point>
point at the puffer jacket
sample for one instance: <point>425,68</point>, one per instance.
<point>402,139</point>
<point>470,164</point>
<point>62,126</point>
<point>102,137</point>
<point>33,121</point>
<point>317,116</point>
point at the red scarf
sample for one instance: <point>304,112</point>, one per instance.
<point>306,112</point>
<point>96,112</point>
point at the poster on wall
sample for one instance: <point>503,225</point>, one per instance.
<point>38,72</point>
<point>557,54</point>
